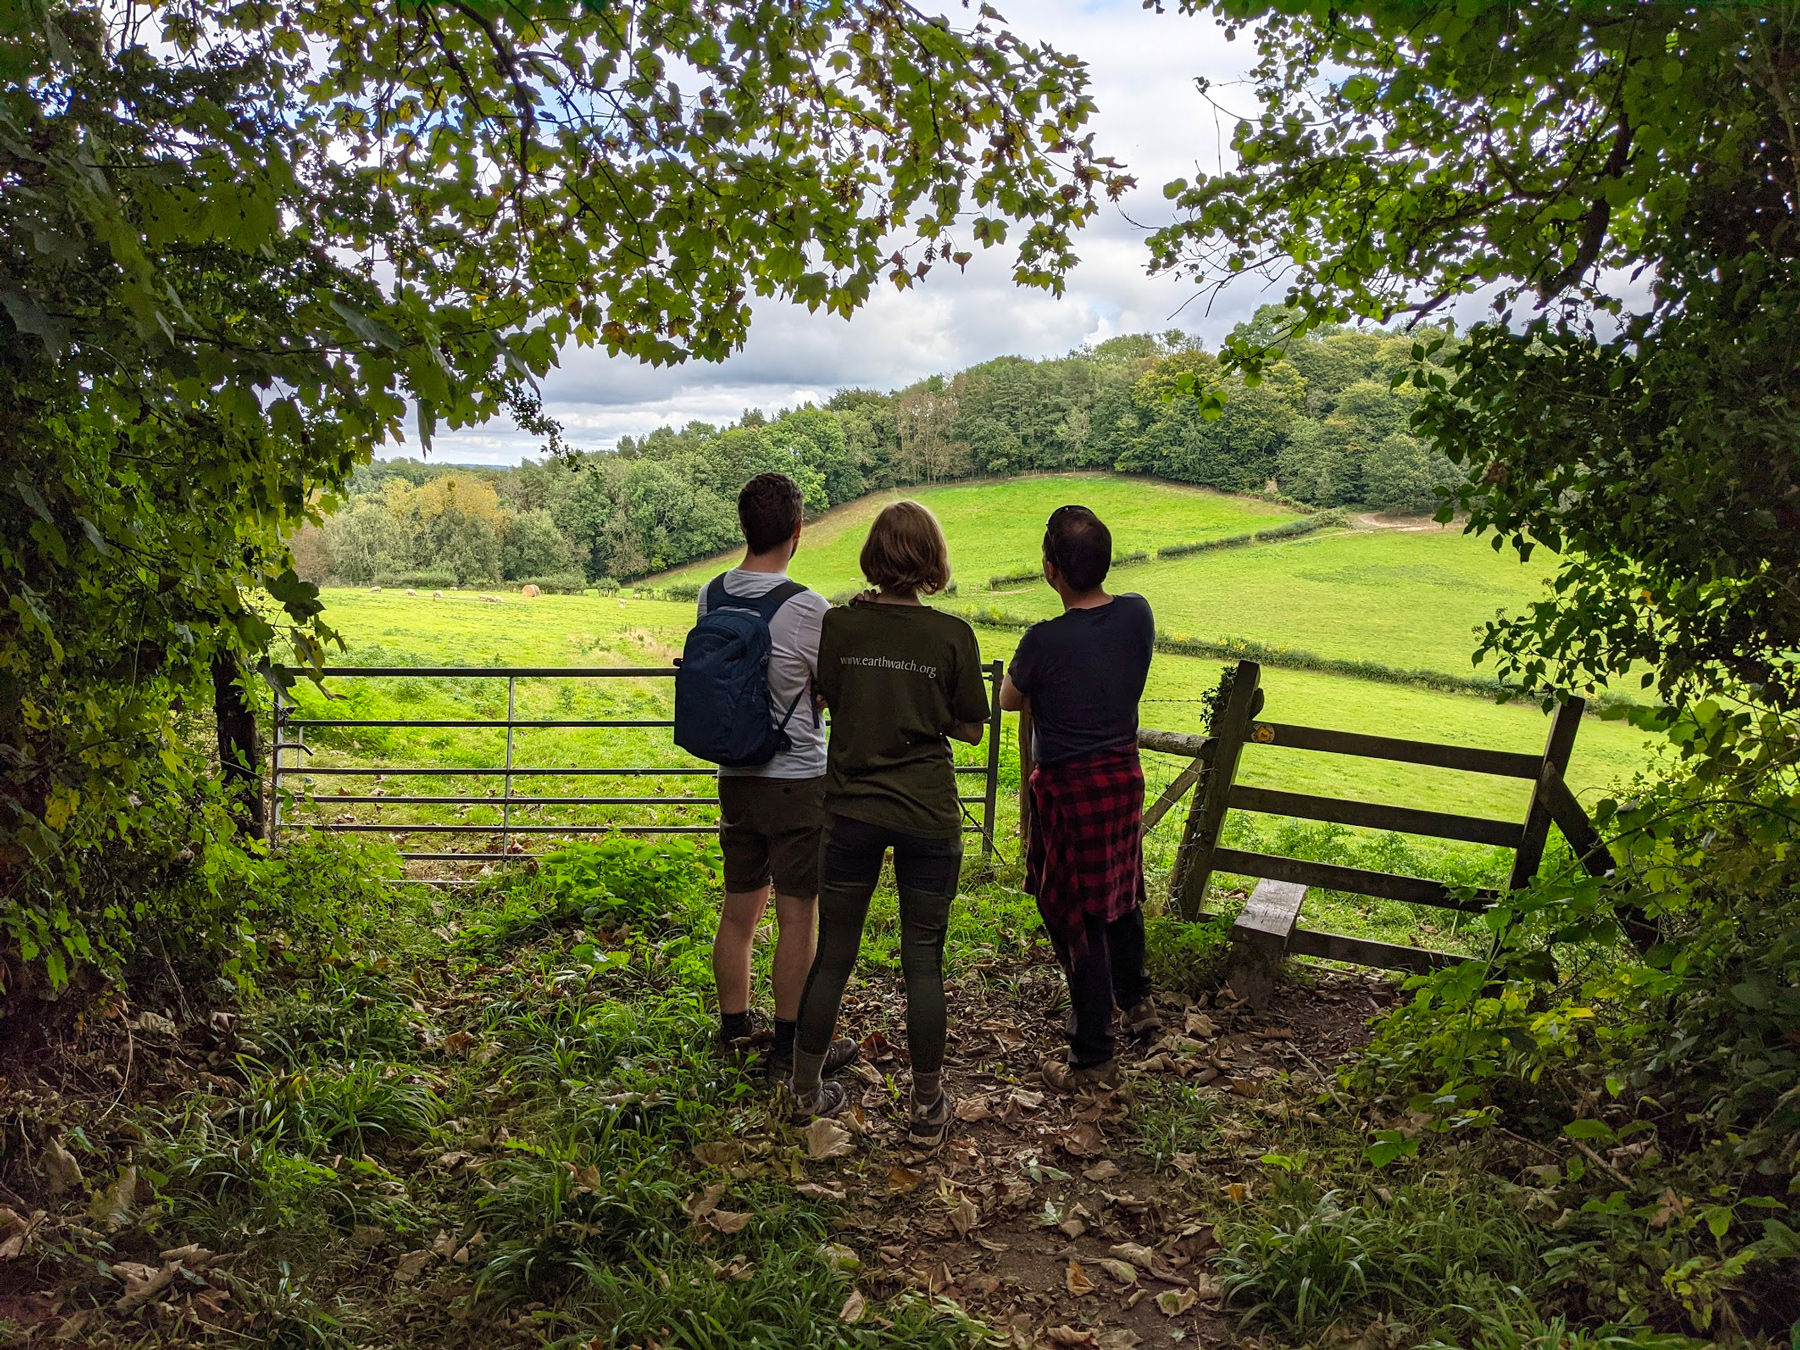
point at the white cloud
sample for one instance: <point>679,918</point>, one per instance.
<point>1151,116</point>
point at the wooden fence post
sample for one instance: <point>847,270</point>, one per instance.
<point>1207,814</point>
<point>991,782</point>
<point>1026,763</point>
<point>1558,746</point>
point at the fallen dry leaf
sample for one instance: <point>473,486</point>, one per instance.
<point>965,1216</point>
<point>1122,1271</point>
<point>1119,1338</point>
<point>825,1138</point>
<point>1068,1335</point>
<point>812,1190</point>
<point>1084,1140</point>
<point>1246,1087</point>
<point>903,1179</point>
<point>1076,1281</point>
<point>1237,1192</point>
<point>727,1221</point>
<point>852,1310</point>
<point>1104,1170</point>
<point>1199,1024</point>
<point>153,1022</point>
<point>15,1232</point>
<point>1009,1037</point>
<point>1174,1302</point>
<point>111,1209</point>
<point>142,1283</point>
<point>411,1265</point>
<point>64,1171</point>
<point>1026,1101</point>
<point>458,1042</point>
<point>704,1202</point>
<point>972,1109</point>
<point>719,1152</point>
<point>840,1258</point>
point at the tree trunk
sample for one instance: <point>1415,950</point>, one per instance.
<point>240,755</point>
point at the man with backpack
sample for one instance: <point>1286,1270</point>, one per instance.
<point>744,699</point>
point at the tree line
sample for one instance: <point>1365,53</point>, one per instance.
<point>1326,425</point>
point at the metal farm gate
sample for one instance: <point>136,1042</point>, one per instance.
<point>297,768</point>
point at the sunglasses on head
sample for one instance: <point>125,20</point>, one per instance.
<point>1062,510</point>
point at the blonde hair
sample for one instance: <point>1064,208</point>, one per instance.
<point>905,550</point>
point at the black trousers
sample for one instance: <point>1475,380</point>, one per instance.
<point>926,872</point>
<point>1111,971</point>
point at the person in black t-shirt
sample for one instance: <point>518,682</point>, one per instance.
<point>1081,675</point>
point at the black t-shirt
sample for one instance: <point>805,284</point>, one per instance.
<point>1084,673</point>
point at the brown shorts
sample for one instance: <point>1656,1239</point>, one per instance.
<point>769,828</point>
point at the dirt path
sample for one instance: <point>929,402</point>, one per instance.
<point>1057,1220</point>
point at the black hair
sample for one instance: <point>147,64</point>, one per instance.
<point>769,509</point>
<point>1080,545</point>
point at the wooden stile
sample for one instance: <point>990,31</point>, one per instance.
<point>1268,928</point>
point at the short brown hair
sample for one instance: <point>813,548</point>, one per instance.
<point>1080,545</point>
<point>905,550</point>
<point>770,508</point>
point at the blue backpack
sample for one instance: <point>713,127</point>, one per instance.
<point>722,708</point>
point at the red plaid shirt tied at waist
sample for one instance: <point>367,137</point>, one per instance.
<point>1085,859</point>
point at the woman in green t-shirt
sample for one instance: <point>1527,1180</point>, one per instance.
<point>901,679</point>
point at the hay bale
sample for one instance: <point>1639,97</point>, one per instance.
<point>530,592</point>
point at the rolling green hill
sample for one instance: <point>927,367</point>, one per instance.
<point>1411,599</point>
<point>998,527</point>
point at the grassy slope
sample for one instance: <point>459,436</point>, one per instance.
<point>1411,599</point>
<point>998,527</point>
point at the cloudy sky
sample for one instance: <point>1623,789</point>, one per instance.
<point>1143,67</point>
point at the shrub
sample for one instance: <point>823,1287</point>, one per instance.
<point>618,879</point>
<point>424,581</point>
<point>556,583</point>
<point>1188,958</point>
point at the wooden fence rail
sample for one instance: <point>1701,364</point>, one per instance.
<point>1268,928</point>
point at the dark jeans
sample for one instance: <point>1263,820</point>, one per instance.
<point>1110,971</point>
<point>926,872</point>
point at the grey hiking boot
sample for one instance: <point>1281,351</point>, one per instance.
<point>828,1099</point>
<point>927,1127</point>
<point>842,1054</point>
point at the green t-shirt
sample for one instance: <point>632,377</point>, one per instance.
<point>897,678</point>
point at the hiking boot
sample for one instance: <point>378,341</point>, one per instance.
<point>843,1053</point>
<point>1141,1019</point>
<point>1065,1077</point>
<point>738,1050</point>
<point>927,1127</point>
<point>828,1099</point>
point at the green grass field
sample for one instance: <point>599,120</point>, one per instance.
<point>997,528</point>
<point>1405,598</point>
<point>391,628</point>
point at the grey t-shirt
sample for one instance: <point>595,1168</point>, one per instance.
<point>793,671</point>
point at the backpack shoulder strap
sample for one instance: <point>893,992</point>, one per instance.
<point>716,594</point>
<point>770,605</point>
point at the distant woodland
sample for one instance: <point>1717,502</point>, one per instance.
<point>1326,426</point>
